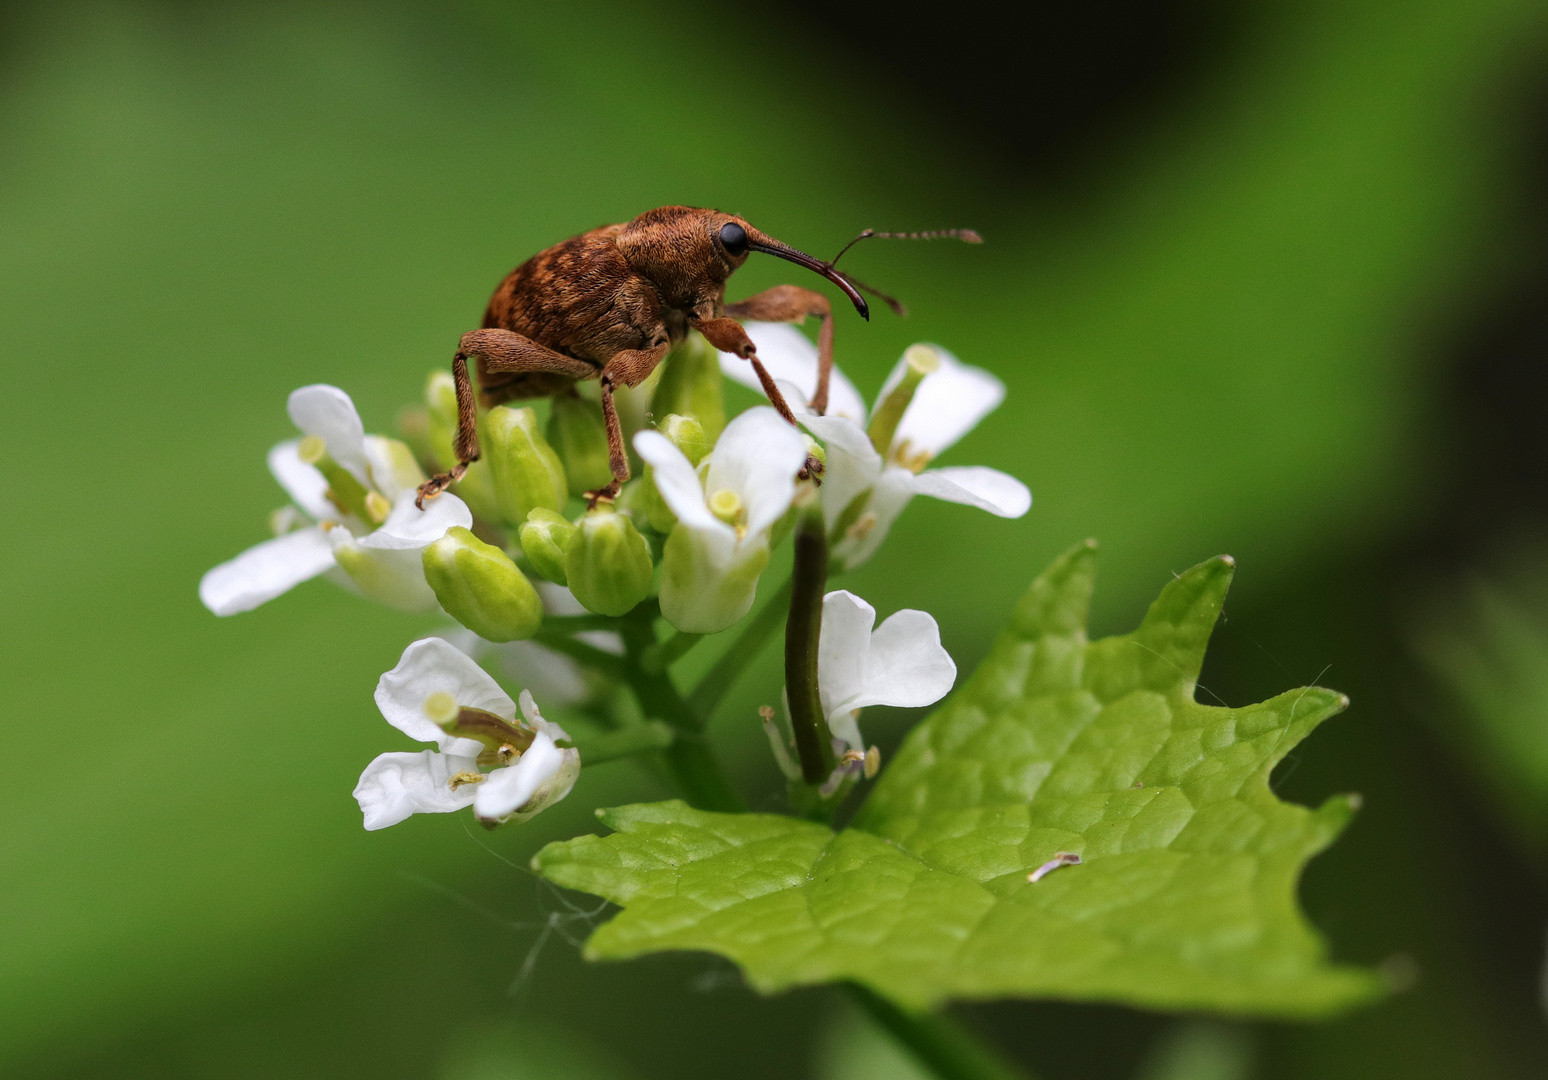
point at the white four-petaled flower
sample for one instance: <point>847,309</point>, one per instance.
<point>720,543</point>
<point>900,663</point>
<point>436,684</point>
<point>380,557</point>
<point>863,489</point>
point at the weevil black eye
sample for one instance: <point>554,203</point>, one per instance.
<point>734,239</point>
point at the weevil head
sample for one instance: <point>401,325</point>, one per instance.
<point>688,253</point>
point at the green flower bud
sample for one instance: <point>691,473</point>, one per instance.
<point>691,385</point>
<point>545,540</point>
<point>608,563</point>
<point>476,488</point>
<point>578,434</point>
<point>479,586</point>
<point>688,435</point>
<point>526,471</point>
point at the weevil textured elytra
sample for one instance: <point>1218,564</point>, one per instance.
<point>609,304</point>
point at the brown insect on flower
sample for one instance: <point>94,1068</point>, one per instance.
<point>609,304</point>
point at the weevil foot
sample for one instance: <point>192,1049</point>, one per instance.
<point>602,494</point>
<point>812,470</point>
<point>438,483</point>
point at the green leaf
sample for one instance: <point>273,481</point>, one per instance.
<point>1185,898</point>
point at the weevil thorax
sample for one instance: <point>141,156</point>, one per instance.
<point>678,248</point>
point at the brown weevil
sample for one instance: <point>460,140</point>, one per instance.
<point>609,304</point>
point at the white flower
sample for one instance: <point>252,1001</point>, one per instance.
<point>507,770</point>
<point>948,403</point>
<point>901,662</point>
<point>790,357</point>
<point>720,543</point>
<point>375,539</point>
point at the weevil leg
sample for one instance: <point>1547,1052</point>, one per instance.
<point>497,352</point>
<point>792,304</point>
<point>628,368</point>
<point>727,335</point>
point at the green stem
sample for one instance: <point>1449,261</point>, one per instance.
<point>733,662</point>
<point>572,624</point>
<point>694,767</point>
<point>579,651</point>
<point>662,656</point>
<point>626,742</point>
<point>951,1050</point>
<point>803,629</point>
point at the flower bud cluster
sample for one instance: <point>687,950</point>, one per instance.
<point>560,589</point>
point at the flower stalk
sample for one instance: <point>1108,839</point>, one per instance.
<point>950,1049</point>
<point>643,738</point>
<point>803,631</point>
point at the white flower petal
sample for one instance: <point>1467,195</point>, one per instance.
<point>394,470</point>
<point>976,485</point>
<point>410,528</point>
<point>265,570</point>
<point>845,727</point>
<point>842,647</point>
<point>306,486</point>
<point>906,665</point>
<point>507,790</point>
<point>948,404</point>
<point>327,412</point>
<point>394,576</point>
<point>757,456</point>
<point>431,666</point>
<point>709,580</point>
<point>677,481</point>
<point>529,709</point>
<point>890,493</point>
<point>394,786</point>
<point>791,357</point>
<point>853,465</point>
<point>551,676</point>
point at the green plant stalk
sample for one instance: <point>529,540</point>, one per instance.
<point>662,656</point>
<point>814,744</point>
<point>625,742</point>
<point>615,666</point>
<point>947,1047</point>
<point>718,681</point>
<point>693,765</point>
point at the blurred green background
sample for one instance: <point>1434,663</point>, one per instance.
<point>1267,279</point>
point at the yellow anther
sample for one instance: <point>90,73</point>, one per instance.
<point>466,776</point>
<point>312,449</point>
<point>872,762</point>
<point>441,707</point>
<point>862,528</point>
<point>912,460</point>
<point>726,505</point>
<point>377,506</point>
<point>766,711</point>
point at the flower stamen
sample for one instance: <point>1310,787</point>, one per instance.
<point>466,776</point>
